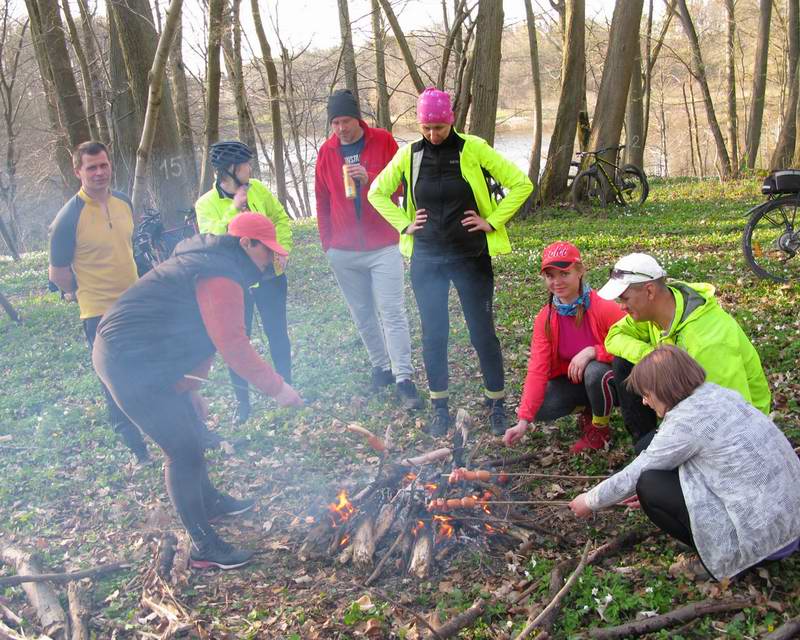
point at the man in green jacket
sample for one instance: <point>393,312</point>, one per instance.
<point>679,313</point>
<point>235,191</point>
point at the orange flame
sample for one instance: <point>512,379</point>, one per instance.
<point>409,477</point>
<point>344,541</point>
<point>485,507</point>
<point>418,527</point>
<point>430,487</point>
<point>489,528</point>
<point>446,529</point>
<point>342,510</point>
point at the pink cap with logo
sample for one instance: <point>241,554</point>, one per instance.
<point>434,107</point>
<point>560,255</point>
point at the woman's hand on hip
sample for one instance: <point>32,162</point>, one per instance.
<point>473,222</point>
<point>419,222</point>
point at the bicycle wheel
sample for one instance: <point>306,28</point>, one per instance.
<point>588,192</point>
<point>632,184</point>
<point>771,240</point>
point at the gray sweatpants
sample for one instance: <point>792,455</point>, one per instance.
<point>372,284</point>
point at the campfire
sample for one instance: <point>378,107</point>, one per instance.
<point>417,510</point>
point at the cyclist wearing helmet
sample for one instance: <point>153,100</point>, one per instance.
<point>235,191</point>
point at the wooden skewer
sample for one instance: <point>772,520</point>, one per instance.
<point>546,476</point>
<point>542,502</point>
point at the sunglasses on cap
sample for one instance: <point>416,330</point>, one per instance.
<point>619,274</point>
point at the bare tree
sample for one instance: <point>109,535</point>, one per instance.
<point>753,134</point>
<point>651,57</point>
<point>486,81</point>
<point>453,32</point>
<point>155,91</point>
<point>278,144</point>
<point>623,50</point>
<point>536,148</point>
<point>383,116</point>
<point>348,55</point>
<point>562,141</point>
<point>96,66</point>
<point>413,72</point>
<point>124,119</point>
<point>730,67</point>
<point>213,79</point>
<point>182,112</point>
<point>634,114</point>
<point>698,71</point>
<point>83,65</point>
<point>784,149</point>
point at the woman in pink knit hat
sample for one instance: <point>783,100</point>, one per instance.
<point>451,226</point>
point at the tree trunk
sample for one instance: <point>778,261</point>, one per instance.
<point>689,128</point>
<point>95,60</point>
<point>486,82</point>
<point>413,72</point>
<point>536,148</point>
<point>452,33</point>
<point>70,106</point>
<point>83,64</point>
<point>70,183</point>
<point>573,70</point>
<point>168,188</point>
<point>348,53</point>
<point>154,94</point>
<point>274,105</point>
<point>232,46</point>
<point>465,93</point>
<point>753,135</point>
<point>124,118</point>
<point>700,160</point>
<point>384,116</point>
<point>651,58</point>
<point>730,64</point>
<point>182,112</point>
<point>634,119</point>
<point>213,79</point>
<point>699,72</point>
<point>784,149</point>
<point>301,183</point>
<point>623,50</point>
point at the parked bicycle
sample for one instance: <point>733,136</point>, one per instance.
<point>152,243</point>
<point>771,239</point>
<point>605,182</point>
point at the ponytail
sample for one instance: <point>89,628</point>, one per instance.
<point>549,312</point>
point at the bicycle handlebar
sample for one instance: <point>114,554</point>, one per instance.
<point>594,153</point>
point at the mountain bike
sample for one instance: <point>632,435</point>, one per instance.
<point>152,243</point>
<point>771,238</point>
<point>604,182</point>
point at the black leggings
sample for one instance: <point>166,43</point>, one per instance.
<point>270,298</point>
<point>661,497</point>
<point>639,420</point>
<point>473,279</point>
<point>170,419</point>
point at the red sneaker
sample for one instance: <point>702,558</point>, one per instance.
<point>593,438</point>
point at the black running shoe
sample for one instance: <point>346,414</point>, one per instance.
<point>381,378</point>
<point>215,553</point>
<point>226,505</point>
<point>407,391</point>
<point>498,421</point>
<point>441,421</point>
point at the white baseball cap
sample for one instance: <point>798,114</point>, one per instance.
<point>631,269</point>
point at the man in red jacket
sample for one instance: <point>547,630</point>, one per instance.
<point>361,246</point>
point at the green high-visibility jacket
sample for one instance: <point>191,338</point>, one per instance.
<point>214,211</point>
<point>476,155</point>
<point>707,333</point>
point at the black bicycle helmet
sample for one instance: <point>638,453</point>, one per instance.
<point>227,152</point>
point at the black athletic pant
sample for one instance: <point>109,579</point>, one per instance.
<point>639,420</point>
<point>129,433</point>
<point>270,298</point>
<point>473,279</point>
<point>170,419</point>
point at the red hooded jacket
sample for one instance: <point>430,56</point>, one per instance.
<point>339,226</point>
<point>544,363</point>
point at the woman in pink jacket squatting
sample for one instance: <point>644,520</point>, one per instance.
<point>569,367</point>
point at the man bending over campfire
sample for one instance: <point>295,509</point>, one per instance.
<point>718,474</point>
<point>157,342</point>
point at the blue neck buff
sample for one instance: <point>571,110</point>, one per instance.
<point>572,309</point>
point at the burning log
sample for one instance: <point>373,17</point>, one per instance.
<point>384,521</point>
<point>374,575</point>
<point>41,595</point>
<point>364,543</point>
<point>421,553</point>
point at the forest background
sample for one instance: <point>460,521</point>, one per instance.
<point>71,70</point>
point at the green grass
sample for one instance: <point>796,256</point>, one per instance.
<point>67,488</point>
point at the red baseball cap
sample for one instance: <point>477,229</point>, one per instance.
<point>256,227</point>
<point>560,255</point>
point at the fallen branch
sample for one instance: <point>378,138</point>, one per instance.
<point>501,462</point>
<point>463,619</point>
<point>678,616</point>
<point>167,547</point>
<point>42,597</point>
<point>79,610</point>
<point>7,633</point>
<point>551,610</point>
<point>63,578</point>
<point>789,629</point>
